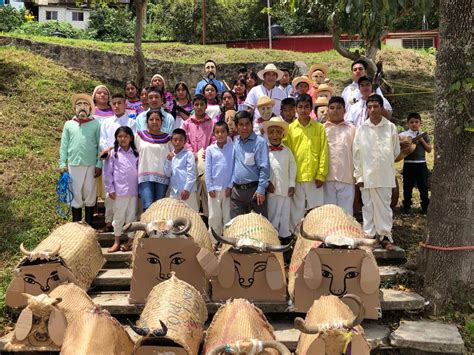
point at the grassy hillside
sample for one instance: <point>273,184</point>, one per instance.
<point>34,103</point>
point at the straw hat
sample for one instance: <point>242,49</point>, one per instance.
<point>270,68</point>
<point>326,87</point>
<point>321,101</point>
<point>302,79</point>
<point>265,100</point>
<point>88,98</point>
<point>318,66</point>
<point>276,121</point>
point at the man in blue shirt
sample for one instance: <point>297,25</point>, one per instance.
<point>155,100</point>
<point>210,73</point>
<point>251,169</point>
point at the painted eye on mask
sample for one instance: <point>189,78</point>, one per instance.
<point>326,274</point>
<point>352,275</point>
<point>36,319</point>
<point>153,260</point>
<point>29,280</point>
<point>177,261</point>
<point>260,267</point>
<point>54,278</point>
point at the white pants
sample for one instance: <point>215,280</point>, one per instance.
<point>219,212</point>
<point>279,213</point>
<point>191,201</point>
<point>84,186</point>
<point>109,208</point>
<point>376,211</point>
<point>306,196</point>
<point>124,211</point>
<point>340,194</point>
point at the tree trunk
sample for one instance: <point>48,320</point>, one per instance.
<point>448,275</point>
<point>140,9</point>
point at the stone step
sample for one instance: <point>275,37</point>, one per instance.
<point>428,336</point>
<point>120,256</point>
<point>122,277</point>
<point>391,300</point>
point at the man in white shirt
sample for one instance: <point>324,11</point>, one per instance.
<point>376,145</point>
<point>351,93</point>
<point>270,75</point>
<point>357,113</point>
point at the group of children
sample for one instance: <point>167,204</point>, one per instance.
<point>229,161</point>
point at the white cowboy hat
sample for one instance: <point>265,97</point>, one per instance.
<point>86,97</point>
<point>270,68</point>
<point>276,121</point>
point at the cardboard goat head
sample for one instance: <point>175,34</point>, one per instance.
<point>250,261</point>
<point>70,253</point>
<point>240,327</point>
<point>330,328</point>
<point>172,320</point>
<point>171,237</point>
<point>332,257</point>
<point>40,326</point>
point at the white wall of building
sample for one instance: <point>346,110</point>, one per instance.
<point>62,13</point>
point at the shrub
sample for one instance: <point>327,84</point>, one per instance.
<point>51,28</point>
<point>112,25</point>
<point>10,18</point>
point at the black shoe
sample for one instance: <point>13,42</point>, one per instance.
<point>76,214</point>
<point>406,212</point>
<point>89,215</point>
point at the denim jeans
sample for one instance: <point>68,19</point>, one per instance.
<point>150,192</point>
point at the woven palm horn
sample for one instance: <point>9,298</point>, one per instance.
<point>134,226</point>
<point>247,347</point>
<point>360,312</point>
<point>53,252</point>
<point>306,235</point>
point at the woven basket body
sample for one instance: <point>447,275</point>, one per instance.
<point>155,258</point>
<point>252,273</point>
<point>74,300</point>
<point>182,309</point>
<point>238,320</point>
<point>351,268</point>
<point>96,332</point>
<point>330,313</point>
<point>80,259</point>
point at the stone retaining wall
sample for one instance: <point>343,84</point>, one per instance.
<point>118,68</point>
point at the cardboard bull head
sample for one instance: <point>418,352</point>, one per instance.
<point>95,331</point>
<point>250,261</point>
<point>171,237</point>
<point>331,328</point>
<point>241,328</point>
<point>172,321</point>
<point>332,257</point>
<point>70,253</point>
<point>40,326</point>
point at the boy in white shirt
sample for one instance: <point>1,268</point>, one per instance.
<point>376,145</point>
<point>281,186</point>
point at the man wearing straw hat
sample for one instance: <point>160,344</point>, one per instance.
<point>78,154</point>
<point>210,69</point>
<point>270,75</point>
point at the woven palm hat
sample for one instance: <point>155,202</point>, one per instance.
<point>326,87</point>
<point>302,79</point>
<point>318,66</point>
<point>265,100</point>
<point>276,121</point>
<point>88,98</point>
<point>270,68</point>
<point>321,101</point>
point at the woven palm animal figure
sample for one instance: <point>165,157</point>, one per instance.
<point>331,328</point>
<point>40,326</point>
<point>172,320</point>
<point>250,261</point>
<point>71,253</point>
<point>239,327</point>
<point>95,331</point>
<point>170,237</point>
<point>332,257</point>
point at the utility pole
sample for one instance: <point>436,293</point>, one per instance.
<point>269,25</point>
<point>203,15</point>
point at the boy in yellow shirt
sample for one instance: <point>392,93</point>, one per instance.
<point>307,141</point>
